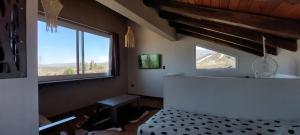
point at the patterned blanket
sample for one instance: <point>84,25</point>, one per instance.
<point>178,122</point>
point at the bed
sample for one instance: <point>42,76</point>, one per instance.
<point>177,122</point>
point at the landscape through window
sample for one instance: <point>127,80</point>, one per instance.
<point>71,52</point>
<point>56,51</point>
<point>209,59</point>
<point>96,57</point>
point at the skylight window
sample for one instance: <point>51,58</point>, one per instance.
<point>209,59</point>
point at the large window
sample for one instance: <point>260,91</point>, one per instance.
<point>72,53</point>
<point>209,59</point>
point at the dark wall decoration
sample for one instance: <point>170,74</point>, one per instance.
<point>12,39</point>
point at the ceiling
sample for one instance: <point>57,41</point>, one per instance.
<point>238,24</point>
<point>276,8</point>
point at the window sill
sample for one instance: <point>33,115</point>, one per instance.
<point>74,80</point>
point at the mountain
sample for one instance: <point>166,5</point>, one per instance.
<point>59,65</point>
<point>215,60</point>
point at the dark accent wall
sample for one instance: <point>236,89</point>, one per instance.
<point>58,98</point>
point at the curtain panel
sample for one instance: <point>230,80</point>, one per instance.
<point>115,60</point>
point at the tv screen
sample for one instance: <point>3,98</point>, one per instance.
<point>149,61</point>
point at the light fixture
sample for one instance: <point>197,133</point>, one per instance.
<point>52,8</point>
<point>129,38</point>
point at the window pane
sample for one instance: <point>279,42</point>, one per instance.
<point>56,51</point>
<point>96,53</point>
<point>208,59</point>
<point>80,52</point>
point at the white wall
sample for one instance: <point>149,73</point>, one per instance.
<point>234,97</point>
<point>179,57</point>
<point>289,62</point>
<point>19,97</point>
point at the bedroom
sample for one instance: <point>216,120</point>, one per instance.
<point>182,33</point>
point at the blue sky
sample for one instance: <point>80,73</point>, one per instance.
<point>200,52</point>
<point>60,47</point>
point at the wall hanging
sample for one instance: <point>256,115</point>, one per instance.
<point>149,61</point>
<point>12,39</point>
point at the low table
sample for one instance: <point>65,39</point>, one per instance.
<point>116,102</point>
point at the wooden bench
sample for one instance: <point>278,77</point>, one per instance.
<point>116,102</point>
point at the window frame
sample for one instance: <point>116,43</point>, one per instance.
<point>79,29</point>
<point>219,51</point>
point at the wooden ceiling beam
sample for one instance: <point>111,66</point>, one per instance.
<point>274,26</point>
<point>242,33</point>
<point>138,12</point>
<point>219,41</point>
<point>155,3</point>
<point>226,38</point>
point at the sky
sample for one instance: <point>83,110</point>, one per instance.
<point>60,47</point>
<point>200,52</point>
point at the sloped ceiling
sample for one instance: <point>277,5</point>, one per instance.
<point>289,9</point>
<point>239,24</point>
<point>145,16</point>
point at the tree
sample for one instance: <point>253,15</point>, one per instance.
<point>92,65</point>
<point>69,71</point>
<point>95,66</point>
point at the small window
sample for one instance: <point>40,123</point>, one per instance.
<point>72,52</point>
<point>209,59</point>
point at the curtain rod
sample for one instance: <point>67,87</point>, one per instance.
<point>76,23</point>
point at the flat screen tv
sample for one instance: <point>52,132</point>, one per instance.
<point>149,61</point>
